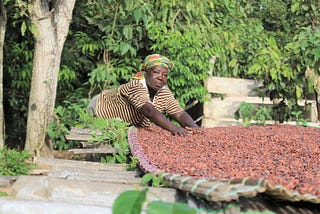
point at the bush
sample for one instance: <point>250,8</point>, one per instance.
<point>13,162</point>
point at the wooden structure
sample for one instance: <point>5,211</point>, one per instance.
<point>70,186</point>
<point>84,136</point>
<point>228,93</point>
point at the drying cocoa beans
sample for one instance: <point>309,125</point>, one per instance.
<point>282,154</point>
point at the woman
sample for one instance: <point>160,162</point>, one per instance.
<point>145,99</point>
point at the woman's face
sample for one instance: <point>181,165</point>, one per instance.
<point>156,77</point>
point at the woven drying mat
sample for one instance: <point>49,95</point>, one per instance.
<point>217,190</point>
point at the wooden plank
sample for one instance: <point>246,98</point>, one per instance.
<point>95,144</point>
<point>124,177</point>
<point>7,180</point>
<point>85,131</point>
<point>232,86</point>
<point>63,163</point>
<point>80,134</point>
<point>221,122</point>
<point>225,108</point>
<point>75,136</point>
<point>94,151</point>
<point>93,147</point>
<point>78,137</point>
<point>101,192</point>
<point>248,99</point>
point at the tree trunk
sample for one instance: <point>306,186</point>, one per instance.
<point>318,104</point>
<point>3,22</point>
<point>50,31</point>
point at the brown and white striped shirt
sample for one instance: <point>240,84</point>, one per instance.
<point>125,102</point>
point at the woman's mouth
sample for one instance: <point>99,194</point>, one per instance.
<point>158,83</point>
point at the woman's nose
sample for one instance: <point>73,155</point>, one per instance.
<point>163,77</point>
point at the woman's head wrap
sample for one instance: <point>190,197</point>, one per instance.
<point>156,60</point>
<point>151,61</point>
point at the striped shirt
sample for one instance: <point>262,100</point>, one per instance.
<point>126,101</point>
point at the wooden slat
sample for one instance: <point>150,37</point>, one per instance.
<point>232,86</point>
<point>78,164</point>
<point>84,131</point>
<point>75,136</point>
<point>86,144</point>
<point>7,180</point>
<point>226,108</point>
<point>83,134</point>
<point>94,151</point>
<point>82,138</point>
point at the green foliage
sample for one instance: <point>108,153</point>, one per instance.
<point>133,164</point>
<point>16,87</point>
<point>249,112</point>
<point>173,33</point>
<point>66,116</point>
<point>306,55</point>
<point>66,79</point>
<point>297,116</point>
<point>186,84</point>
<point>3,194</point>
<point>101,78</point>
<point>235,38</point>
<point>159,207</point>
<point>272,66</point>
<point>137,29</point>
<point>112,131</point>
<point>262,114</point>
<point>270,40</point>
<point>150,179</point>
<point>246,112</point>
<point>290,111</point>
<point>131,202</point>
<point>13,162</point>
<point>115,131</point>
<point>109,33</point>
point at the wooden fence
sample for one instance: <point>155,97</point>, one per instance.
<point>228,93</point>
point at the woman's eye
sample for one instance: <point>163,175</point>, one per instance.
<point>162,73</point>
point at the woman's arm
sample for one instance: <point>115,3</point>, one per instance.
<point>159,119</point>
<point>184,119</point>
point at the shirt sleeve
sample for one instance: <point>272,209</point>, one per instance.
<point>166,102</point>
<point>135,94</point>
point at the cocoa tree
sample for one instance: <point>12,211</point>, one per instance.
<point>50,22</point>
<point>3,21</point>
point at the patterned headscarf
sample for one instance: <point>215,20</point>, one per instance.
<point>151,61</point>
<point>157,60</point>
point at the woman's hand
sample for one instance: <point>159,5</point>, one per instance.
<point>179,131</point>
